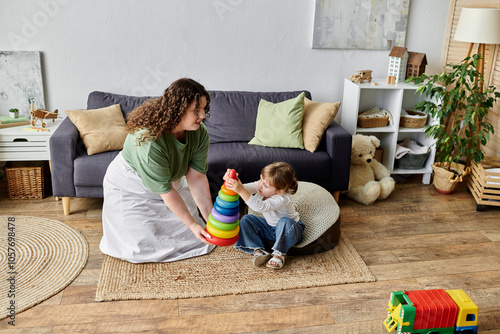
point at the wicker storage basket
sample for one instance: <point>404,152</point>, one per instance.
<point>414,119</point>
<point>446,181</point>
<point>26,180</point>
<point>484,182</point>
<point>372,122</point>
<point>412,160</point>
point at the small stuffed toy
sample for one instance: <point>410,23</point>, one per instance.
<point>369,180</point>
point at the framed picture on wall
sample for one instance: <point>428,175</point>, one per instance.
<point>360,24</point>
<point>21,81</point>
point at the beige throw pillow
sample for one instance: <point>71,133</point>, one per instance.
<point>100,129</point>
<point>317,118</point>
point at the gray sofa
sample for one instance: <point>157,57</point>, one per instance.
<point>231,126</point>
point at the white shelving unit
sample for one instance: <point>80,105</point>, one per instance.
<point>361,97</point>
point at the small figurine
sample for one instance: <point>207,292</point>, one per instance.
<point>42,114</point>
<point>390,80</point>
<point>362,76</point>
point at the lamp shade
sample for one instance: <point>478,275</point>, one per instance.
<point>479,25</point>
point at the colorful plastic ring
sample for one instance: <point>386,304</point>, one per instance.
<point>221,233</point>
<point>226,204</point>
<point>224,211</point>
<point>228,198</point>
<point>225,219</point>
<point>227,191</point>
<point>222,242</point>
<point>222,226</point>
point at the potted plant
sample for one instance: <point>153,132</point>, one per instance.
<point>459,103</point>
<point>14,113</point>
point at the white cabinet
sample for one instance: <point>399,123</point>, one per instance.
<point>361,97</point>
<point>17,144</point>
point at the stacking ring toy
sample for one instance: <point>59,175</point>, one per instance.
<point>227,191</point>
<point>228,198</point>
<point>222,242</point>
<point>223,223</point>
<point>221,233</point>
<point>222,226</point>
<point>224,211</point>
<point>225,219</point>
<point>226,204</point>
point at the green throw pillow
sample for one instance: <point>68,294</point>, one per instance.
<point>280,124</point>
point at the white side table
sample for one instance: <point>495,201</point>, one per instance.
<point>17,144</point>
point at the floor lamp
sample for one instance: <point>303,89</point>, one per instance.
<point>481,26</point>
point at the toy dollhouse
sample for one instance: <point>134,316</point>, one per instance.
<point>416,64</point>
<point>398,58</point>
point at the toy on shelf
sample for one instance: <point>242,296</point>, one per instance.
<point>416,64</point>
<point>42,114</point>
<point>390,80</point>
<point>398,59</point>
<point>431,311</point>
<point>362,76</point>
<point>224,220</point>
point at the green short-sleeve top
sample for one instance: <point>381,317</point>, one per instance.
<point>165,160</point>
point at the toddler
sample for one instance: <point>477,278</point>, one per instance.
<point>281,222</point>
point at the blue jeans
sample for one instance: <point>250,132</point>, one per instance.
<point>254,230</point>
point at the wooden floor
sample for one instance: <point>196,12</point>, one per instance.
<point>416,239</point>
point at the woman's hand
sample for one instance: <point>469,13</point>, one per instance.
<point>175,202</point>
<point>200,233</point>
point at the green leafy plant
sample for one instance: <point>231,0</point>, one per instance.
<point>460,103</point>
<point>13,110</point>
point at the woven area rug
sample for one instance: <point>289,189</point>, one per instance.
<point>226,271</point>
<point>39,257</point>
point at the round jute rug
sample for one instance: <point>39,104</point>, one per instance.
<point>38,258</point>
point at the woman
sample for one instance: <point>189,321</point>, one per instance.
<point>154,187</point>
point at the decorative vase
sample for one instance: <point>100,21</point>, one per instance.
<point>14,114</point>
<point>446,180</point>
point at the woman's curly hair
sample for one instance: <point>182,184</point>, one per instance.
<point>164,113</point>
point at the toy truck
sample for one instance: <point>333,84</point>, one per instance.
<point>431,311</point>
<point>362,76</point>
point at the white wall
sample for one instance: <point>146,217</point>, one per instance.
<point>139,47</point>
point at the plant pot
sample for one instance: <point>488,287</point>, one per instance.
<point>446,180</point>
<point>14,114</point>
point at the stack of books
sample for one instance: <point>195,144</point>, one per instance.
<point>7,121</point>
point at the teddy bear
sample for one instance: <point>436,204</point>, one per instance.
<point>369,180</point>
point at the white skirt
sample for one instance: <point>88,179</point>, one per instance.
<point>138,226</point>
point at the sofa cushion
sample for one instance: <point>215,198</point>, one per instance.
<point>233,114</point>
<point>101,129</point>
<point>89,170</point>
<point>317,117</point>
<point>248,160</point>
<point>280,124</point>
